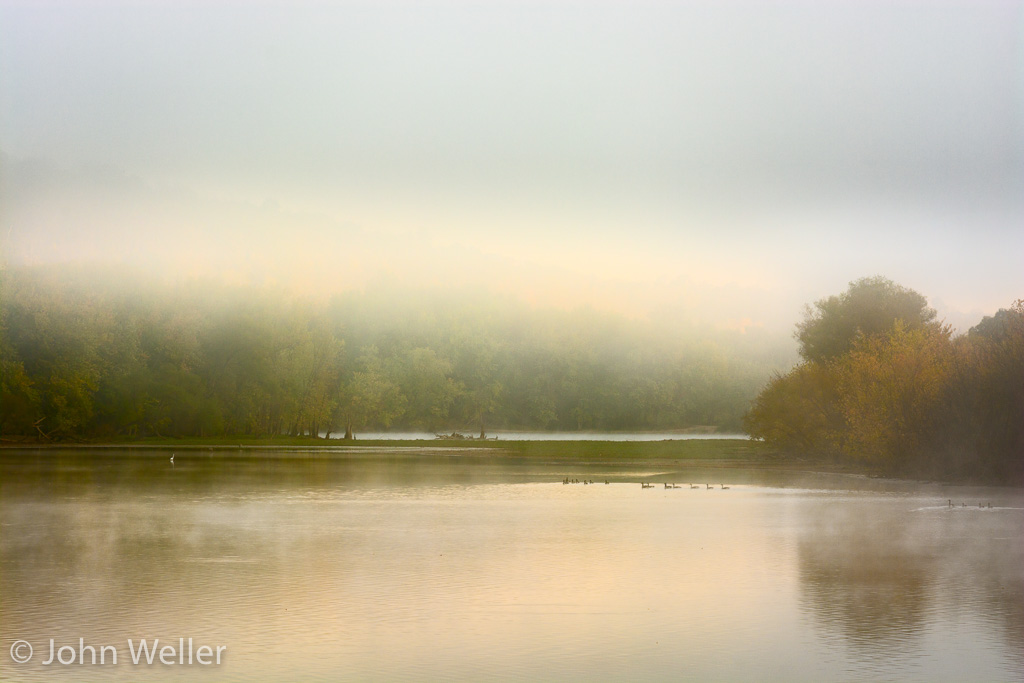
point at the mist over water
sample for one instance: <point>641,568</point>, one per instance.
<point>502,217</point>
<point>415,567</point>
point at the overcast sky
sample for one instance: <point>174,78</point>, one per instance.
<point>727,161</point>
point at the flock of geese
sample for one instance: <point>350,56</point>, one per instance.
<point>963,505</point>
<point>644,484</point>
<point>710,487</point>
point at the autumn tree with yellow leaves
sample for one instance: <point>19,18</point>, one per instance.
<point>884,385</point>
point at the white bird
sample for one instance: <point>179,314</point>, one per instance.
<point>172,458</point>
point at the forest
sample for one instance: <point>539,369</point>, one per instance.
<point>90,354</point>
<point>884,385</point>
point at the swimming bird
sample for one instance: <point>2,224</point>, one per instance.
<point>694,486</point>
<point>709,486</point>
<point>724,486</point>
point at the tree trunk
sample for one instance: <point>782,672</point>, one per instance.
<point>348,432</point>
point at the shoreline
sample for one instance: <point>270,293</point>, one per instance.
<point>717,448</point>
<point>725,454</point>
<point>731,454</point>
<point>705,452</point>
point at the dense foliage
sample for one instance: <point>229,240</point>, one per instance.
<point>88,356</point>
<point>885,385</point>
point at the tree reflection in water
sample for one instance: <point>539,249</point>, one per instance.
<point>878,576</point>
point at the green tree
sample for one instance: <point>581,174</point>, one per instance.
<point>57,334</point>
<point>425,379</point>
<point>369,395</point>
<point>870,306</point>
<point>479,366</point>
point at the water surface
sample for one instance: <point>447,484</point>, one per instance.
<point>413,567</point>
<point>551,436</point>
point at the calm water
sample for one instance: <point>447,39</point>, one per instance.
<point>427,568</point>
<point>550,436</point>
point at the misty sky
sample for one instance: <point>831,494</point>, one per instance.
<point>723,161</point>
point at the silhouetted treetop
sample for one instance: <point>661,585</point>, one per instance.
<point>869,307</point>
<point>997,327</point>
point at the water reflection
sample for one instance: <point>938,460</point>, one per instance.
<point>867,575</point>
<point>881,574</point>
<point>420,567</point>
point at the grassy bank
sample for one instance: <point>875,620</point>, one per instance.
<point>590,451</point>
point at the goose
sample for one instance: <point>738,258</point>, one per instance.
<point>709,487</point>
<point>694,486</point>
<point>724,486</point>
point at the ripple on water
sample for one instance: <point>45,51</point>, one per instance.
<point>520,579</point>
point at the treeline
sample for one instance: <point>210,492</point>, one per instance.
<point>884,384</point>
<point>99,355</point>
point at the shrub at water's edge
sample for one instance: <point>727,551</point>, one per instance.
<point>885,386</point>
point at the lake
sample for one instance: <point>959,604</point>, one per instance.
<point>547,436</point>
<point>426,567</point>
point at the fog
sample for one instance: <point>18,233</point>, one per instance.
<point>722,163</point>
